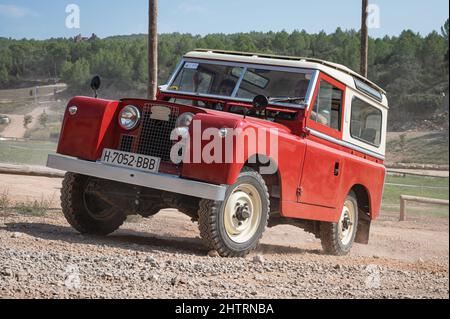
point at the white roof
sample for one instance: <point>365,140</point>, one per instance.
<point>337,71</point>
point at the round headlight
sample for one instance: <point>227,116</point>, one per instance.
<point>129,117</point>
<point>185,120</point>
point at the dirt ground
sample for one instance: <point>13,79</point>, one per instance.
<point>16,129</point>
<point>163,257</point>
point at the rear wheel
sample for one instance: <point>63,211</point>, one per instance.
<point>234,227</point>
<point>338,238</point>
<point>84,210</point>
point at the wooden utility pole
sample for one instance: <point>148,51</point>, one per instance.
<point>152,49</point>
<point>364,39</point>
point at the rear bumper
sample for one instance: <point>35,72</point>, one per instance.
<point>161,182</point>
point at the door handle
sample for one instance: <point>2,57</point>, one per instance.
<point>336,169</point>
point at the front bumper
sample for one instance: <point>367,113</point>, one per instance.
<point>163,182</point>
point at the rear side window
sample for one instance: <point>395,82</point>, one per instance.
<point>366,123</point>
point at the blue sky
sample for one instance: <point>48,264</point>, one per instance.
<point>42,19</point>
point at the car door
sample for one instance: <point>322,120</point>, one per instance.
<point>322,167</point>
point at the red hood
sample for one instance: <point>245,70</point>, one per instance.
<point>218,117</point>
<point>239,119</point>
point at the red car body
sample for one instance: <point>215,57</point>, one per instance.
<point>317,166</point>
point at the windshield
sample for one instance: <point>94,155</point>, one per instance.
<point>213,79</point>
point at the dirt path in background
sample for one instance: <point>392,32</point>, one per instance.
<point>45,91</point>
<point>15,129</point>
<point>424,172</point>
<point>163,257</point>
<point>409,135</point>
<point>29,188</point>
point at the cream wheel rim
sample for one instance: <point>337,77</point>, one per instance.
<point>346,223</point>
<point>242,215</point>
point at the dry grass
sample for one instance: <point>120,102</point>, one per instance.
<point>5,200</point>
<point>29,208</point>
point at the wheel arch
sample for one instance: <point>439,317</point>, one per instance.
<point>362,196</point>
<point>272,177</point>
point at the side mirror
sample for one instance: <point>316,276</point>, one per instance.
<point>95,84</point>
<point>260,102</point>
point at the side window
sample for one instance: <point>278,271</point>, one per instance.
<point>327,110</point>
<point>366,122</point>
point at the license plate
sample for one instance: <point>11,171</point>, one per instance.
<point>130,160</point>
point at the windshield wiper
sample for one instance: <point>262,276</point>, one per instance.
<point>287,99</point>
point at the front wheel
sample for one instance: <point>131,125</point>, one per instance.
<point>84,210</point>
<point>338,238</point>
<point>235,226</point>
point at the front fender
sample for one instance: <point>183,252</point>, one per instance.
<point>246,138</point>
<point>87,132</point>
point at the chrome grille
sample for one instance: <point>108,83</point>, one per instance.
<point>154,136</point>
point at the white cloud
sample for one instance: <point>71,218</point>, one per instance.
<point>13,11</point>
<point>192,8</point>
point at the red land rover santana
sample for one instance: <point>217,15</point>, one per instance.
<point>237,141</point>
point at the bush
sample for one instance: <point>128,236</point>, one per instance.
<point>43,119</point>
<point>27,120</point>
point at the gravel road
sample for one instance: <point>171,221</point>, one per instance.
<point>162,257</point>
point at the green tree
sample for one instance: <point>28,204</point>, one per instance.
<point>5,67</point>
<point>76,74</point>
<point>445,31</point>
<point>43,119</point>
<point>57,54</point>
<point>411,67</point>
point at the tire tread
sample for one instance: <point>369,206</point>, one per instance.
<point>329,235</point>
<point>208,213</point>
<point>75,212</point>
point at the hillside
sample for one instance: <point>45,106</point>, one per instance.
<point>418,148</point>
<point>412,68</point>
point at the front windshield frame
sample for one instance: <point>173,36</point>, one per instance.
<point>314,75</point>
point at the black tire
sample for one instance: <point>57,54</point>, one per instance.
<point>87,214</point>
<point>212,221</point>
<point>329,232</point>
